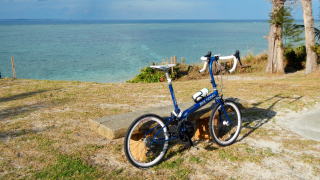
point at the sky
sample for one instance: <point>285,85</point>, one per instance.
<point>142,9</point>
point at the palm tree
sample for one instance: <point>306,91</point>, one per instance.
<point>275,46</point>
<point>311,64</point>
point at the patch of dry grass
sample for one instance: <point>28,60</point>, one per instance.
<point>45,123</point>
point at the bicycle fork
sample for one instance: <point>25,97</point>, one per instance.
<point>226,122</point>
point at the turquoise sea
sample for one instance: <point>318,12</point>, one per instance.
<point>115,51</point>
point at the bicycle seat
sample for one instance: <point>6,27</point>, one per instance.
<point>163,67</point>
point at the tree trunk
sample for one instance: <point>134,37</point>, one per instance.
<point>275,48</point>
<point>311,64</point>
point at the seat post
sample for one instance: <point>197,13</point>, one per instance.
<point>175,104</point>
<point>213,82</point>
<point>168,78</point>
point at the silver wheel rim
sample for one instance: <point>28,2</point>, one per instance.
<point>165,146</point>
<point>238,124</point>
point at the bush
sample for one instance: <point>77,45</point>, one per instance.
<point>148,75</point>
<point>317,50</point>
<point>295,58</point>
<point>184,71</point>
<point>180,71</point>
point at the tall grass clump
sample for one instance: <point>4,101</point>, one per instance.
<point>251,63</point>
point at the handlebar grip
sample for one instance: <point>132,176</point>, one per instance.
<point>204,58</point>
<point>204,67</point>
<point>235,62</point>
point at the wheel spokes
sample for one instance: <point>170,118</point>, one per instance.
<point>144,145</point>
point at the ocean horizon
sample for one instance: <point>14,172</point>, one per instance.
<point>134,20</point>
<point>115,50</point>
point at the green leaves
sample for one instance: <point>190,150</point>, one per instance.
<point>291,33</point>
<point>148,75</point>
<point>277,17</point>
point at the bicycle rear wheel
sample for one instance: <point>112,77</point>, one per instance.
<point>225,123</point>
<point>146,141</point>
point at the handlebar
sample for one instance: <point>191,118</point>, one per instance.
<point>207,58</point>
<point>204,67</point>
<point>235,62</point>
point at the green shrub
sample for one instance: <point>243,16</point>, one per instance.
<point>295,58</point>
<point>184,71</point>
<point>148,75</point>
<point>317,50</point>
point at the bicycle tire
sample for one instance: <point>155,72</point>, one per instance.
<point>145,143</point>
<point>216,124</point>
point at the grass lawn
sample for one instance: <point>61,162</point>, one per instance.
<point>45,134</point>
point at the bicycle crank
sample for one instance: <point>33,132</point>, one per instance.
<point>186,131</point>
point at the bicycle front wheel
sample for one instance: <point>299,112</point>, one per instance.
<point>225,123</point>
<point>146,141</point>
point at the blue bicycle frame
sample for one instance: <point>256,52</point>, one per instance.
<point>184,115</point>
<point>196,106</point>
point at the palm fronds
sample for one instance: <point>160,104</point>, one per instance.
<point>316,31</point>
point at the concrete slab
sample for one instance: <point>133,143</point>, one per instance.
<point>305,123</point>
<point>113,127</point>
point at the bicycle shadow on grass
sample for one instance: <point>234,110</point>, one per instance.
<point>255,117</point>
